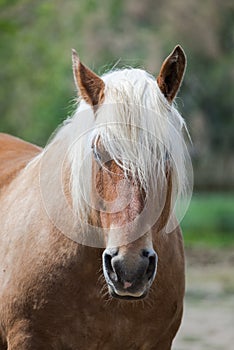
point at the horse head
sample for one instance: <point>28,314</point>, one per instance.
<point>129,259</point>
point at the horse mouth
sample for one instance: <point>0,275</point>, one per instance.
<point>127,296</point>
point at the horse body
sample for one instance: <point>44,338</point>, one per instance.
<point>14,155</point>
<point>51,295</point>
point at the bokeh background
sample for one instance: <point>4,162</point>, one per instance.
<point>37,93</point>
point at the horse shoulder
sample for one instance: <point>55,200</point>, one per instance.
<point>15,154</point>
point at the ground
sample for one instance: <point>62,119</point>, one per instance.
<point>208,321</point>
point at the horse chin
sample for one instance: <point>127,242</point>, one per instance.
<point>127,296</point>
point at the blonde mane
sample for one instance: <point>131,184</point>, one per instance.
<point>138,128</point>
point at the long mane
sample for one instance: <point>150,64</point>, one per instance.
<point>138,128</point>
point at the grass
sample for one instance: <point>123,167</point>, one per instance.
<point>210,220</point>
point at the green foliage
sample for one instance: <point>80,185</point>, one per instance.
<point>210,220</point>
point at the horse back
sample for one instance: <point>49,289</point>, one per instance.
<point>15,154</point>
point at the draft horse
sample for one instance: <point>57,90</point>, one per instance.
<point>85,262</point>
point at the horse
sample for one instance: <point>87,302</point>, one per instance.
<point>91,255</point>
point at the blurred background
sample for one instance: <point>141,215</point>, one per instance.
<point>37,93</point>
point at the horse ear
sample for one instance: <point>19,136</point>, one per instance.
<point>89,85</point>
<point>171,73</point>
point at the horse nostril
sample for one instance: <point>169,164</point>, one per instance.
<point>152,261</point>
<point>107,257</point>
<point>151,267</point>
<point>107,261</point>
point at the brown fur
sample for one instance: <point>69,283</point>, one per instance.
<point>14,155</point>
<point>51,294</point>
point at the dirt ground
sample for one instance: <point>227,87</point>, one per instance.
<point>208,321</point>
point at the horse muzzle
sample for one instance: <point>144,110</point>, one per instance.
<point>129,276</point>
